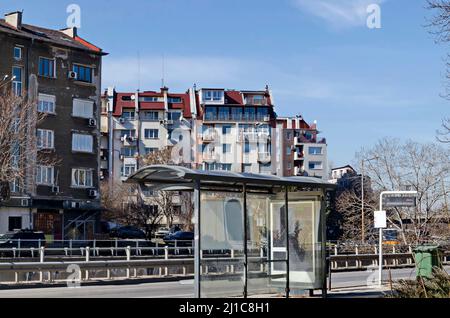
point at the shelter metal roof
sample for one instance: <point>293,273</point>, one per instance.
<point>169,177</point>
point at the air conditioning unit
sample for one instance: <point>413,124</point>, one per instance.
<point>72,75</point>
<point>122,120</point>
<point>92,122</point>
<point>124,138</point>
<point>92,193</point>
<point>132,139</point>
<point>55,189</point>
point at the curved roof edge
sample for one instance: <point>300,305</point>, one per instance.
<point>182,175</point>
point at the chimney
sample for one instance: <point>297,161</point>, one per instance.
<point>14,19</point>
<point>72,32</point>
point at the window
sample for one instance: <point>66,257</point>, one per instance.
<point>175,116</point>
<point>315,165</point>
<point>45,139</point>
<point>151,134</point>
<point>249,113</point>
<point>83,108</point>
<point>226,166</point>
<point>17,80</point>
<point>211,96</point>
<point>289,165</point>
<point>14,223</point>
<point>211,113</point>
<point>247,147</point>
<point>315,150</point>
<point>15,186</point>
<point>44,175</point>
<point>288,135</point>
<point>129,115</point>
<point>226,130</point>
<point>174,100</point>
<point>151,116</point>
<point>82,178</point>
<point>84,73</point>
<point>128,170</point>
<point>46,104</point>
<point>17,53</point>
<point>149,99</point>
<point>82,143</point>
<point>288,151</point>
<point>47,67</point>
<point>236,113</point>
<point>128,151</point>
<point>226,148</point>
<point>127,133</point>
<point>224,113</point>
<point>150,150</point>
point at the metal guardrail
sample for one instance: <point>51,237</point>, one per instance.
<point>56,260</point>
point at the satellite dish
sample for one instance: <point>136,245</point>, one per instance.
<point>133,97</point>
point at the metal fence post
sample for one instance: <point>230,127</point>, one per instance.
<point>41,260</point>
<point>128,252</point>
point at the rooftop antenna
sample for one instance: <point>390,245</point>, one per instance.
<point>139,71</point>
<point>163,84</point>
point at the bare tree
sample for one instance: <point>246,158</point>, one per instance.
<point>127,206</point>
<point>19,153</point>
<point>444,133</point>
<point>165,200</point>
<point>420,167</point>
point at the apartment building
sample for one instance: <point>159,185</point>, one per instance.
<point>233,130</point>
<point>302,152</point>
<point>142,122</point>
<point>62,72</point>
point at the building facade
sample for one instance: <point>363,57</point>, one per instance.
<point>301,151</point>
<point>233,131</point>
<point>62,72</point>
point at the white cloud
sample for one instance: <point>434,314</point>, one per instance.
<point>338,13</point>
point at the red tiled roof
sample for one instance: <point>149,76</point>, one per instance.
<point>120,104</point>
<point>49,35</point>
<point>233,98</point>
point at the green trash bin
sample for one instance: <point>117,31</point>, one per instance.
<point>427,257</point>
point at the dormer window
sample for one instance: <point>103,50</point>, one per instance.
<point>256,100</point>
<point>213,96</point>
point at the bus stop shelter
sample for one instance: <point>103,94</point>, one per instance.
<point>254,234</point>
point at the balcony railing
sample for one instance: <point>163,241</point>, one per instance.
<point>264,157</point>
<point>209,156</point>
<point>299,155</point>
<point>209,136</point>
<point>256,101</point>
<point>244,117</point>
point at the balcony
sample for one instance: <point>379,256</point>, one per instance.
<point>299,171</point>
<point>299,155</point>
<point>248,136</point>
<point>257,101</point>
<point>303,140</point>
<point>209,136</point>
<point>127,141</point>
<point>209,157</point>
<point>264,157</point>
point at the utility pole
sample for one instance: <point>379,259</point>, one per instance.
<point>363,234</point>
<point>110,110</point>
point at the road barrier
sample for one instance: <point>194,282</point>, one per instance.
<point>51,265</point>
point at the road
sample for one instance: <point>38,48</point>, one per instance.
<point>178,289</point>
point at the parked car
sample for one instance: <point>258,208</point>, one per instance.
<point>127,232</point>
<point>162,232</point>
<point>22,239</point>
<point>182,238</point>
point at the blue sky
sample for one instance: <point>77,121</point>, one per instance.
<point>318,57</point>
